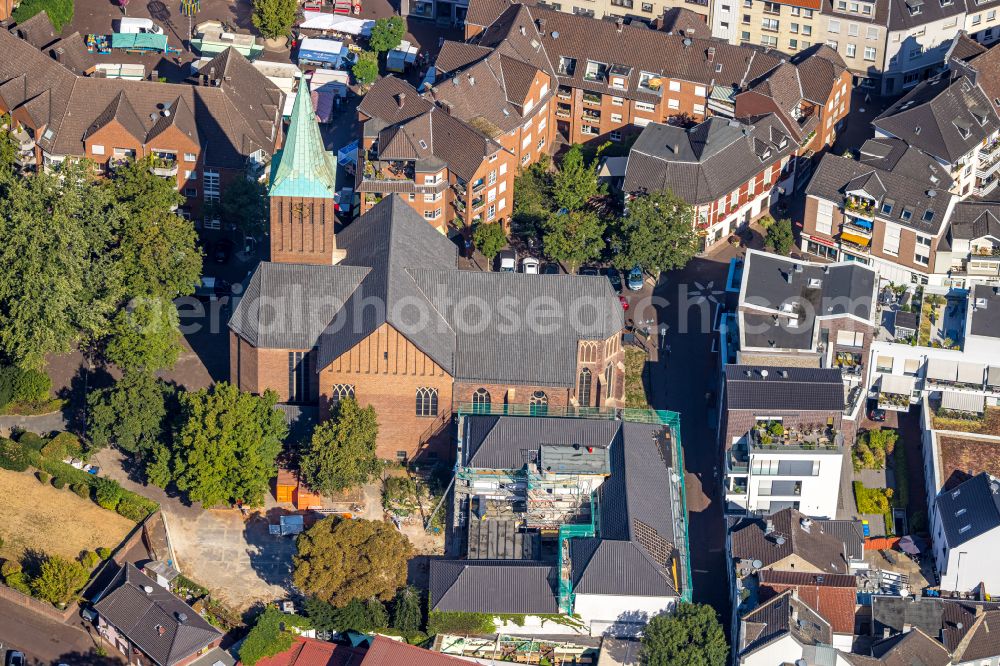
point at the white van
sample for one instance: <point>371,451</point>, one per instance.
<point>138,25</point>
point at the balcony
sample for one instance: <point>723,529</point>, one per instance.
<point>478,186</point>
<point>459,189</point>
<point>855,243</point>
<point>738,459</point>
<point>564,92</point>
<point>986,187</point>
<point>982,265</point>
<point>894,402</point>
<point>24,159</point>
<point>459,205</point>
<point>23,139</point>
<point>592,116</point>
<point>862,208</point>
<point>564,111</point>
<point>592,98</point>
<point>165,167</point>
<point>389,170</point>
<point>478,202</point>
<point>856,225</point>
<point>781,489</point>
<point>990,151</point>
<point>773,436</point>
<point>988,167</point>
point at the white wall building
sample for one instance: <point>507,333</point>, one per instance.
<point>967,534</point>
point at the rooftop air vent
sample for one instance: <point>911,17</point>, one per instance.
<point>763,373</point>
<point>687,42</point>
<point>815,283</point>
<point>931,193</point>
<point>798,268</point>
<point>555,34</point>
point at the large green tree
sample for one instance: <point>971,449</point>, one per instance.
<point>341,453</point>
<point>342,560</point>
<point>244,204</point>
<point>132,414</point>
<point>779,236</point>
<point>533,200</point>
<point>574,238</point>
<point>406,613</point>
<point>145,335</point>
<point>225,445</point>
<point>490,238</point>
<point>274,18</point>
<point>576,182</point>
<point>691,636</point>
<point>387,33</point>
<point>60,12</point>
<point>657,233</point>
<point>8,148</point>
<point>59,580</point>
<point>365,68</point>
<point>271,634</point>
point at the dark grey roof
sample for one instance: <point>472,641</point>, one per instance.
<point>894,612</point>
<point>150,617</point>
<point>970,509</point>
<point>914,648</point>
<point>985,320</point>
<point>975,219</point>
<point>493,586</point>
<point>784,388</point>
<point>704,162</point>
<point>911,181</point>
<point>288,306</point>
<point>509,442</point>
<point>604,566</point>
<point>784,614</point>
<point>943,118</point>
<point>823,544</point>
<point>904,319</point>
<point>901,18</point>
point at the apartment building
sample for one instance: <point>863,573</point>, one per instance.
<point>783,440</point>
<point>450,173</point>
<point>477,15</point>
<point>889,209</point>
<point>857,30</point>
<point>971,252</point>
<point>789,26</point>
<point>726,170</point>
<point>199,135</point>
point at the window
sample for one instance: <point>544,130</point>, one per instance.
<point>503,168</point>
<point>887,205</point>
<point>883,364</point>
<point>772,7</point>
<point>977,19</point>
<point>928,216</point>
<point>298,377</point>
<point>872,33</point>
<point>833,26</point>
<point>675,86</point>
<point>852,50</point>
<point>433,196</point>
<point>538,403</point>
<point>833,44</point>
<point>596,71</point>
<point>906,214</point>
<point>617,101</point>
<point>339,392</point>
<point>921,259</point>
<point>795,11</point>
<point>824,218</point>
<point>870,53</point>
<point>769,40</point>
<point>769,24</point>
<point>806,30</point>
<point>491,212</point>
<point>647,7</point>
<point>97,149</point>
<point>745,36</point>
<point>615,135</point>
<point>616,117</point>
<point>427,401</point>
<point>491,195</point>
<point>190,175</point>
<point>890,244</point>
<point>481,401</point>
<point>699,109</point>
<point>190,192</point>
<point>850,339</point>
<point>674,104</point>
<point>492,178</point>
<point>190,157</point>
<point>540,144</point>
<point>645,106</point>
<point>746,19</point>
<point>911,366</point>
<point>210,185</point>
<point>583,389</point>
<point>431,214</point>
<point>433,179</point>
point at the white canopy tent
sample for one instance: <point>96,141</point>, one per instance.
<point>347,25</point>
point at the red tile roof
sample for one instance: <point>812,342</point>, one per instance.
<point>312,652</point>
<point>836,605</point>
<point>387,652</point>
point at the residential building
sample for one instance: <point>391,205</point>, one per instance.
<point>450,172</point>
<point>150,625</point>
<point>951,119</point>
<point>920,34</point>
<point>889,210</point>
<point>970,253</point>
<point>785,629</point>
<point>811,94</point>
<point>797,313</point>
<point>201,136</point>
<point>834,597</point>
<point>476,15</point>
<point>966,531</point>
<point>781,432</point>
<point>576,516</point>
<point>788,26</point>
<point>912,647</point>
<point>858,31</point>
<point>380,313</point>
<point>981,20</point>
<point>726,170</point>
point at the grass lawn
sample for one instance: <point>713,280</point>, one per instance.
<point>635,378</point>
<point>988,425</point>
<point>38,516</point>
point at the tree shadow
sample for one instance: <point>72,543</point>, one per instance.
<point>90,658</point>
<point>31,562</point>
<point>270,554</point>
<point>84,381</point>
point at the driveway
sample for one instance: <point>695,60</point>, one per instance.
<point>46,641</point>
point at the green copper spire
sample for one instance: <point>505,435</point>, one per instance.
<point>303,168</point>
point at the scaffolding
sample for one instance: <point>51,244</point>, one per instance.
<point>507,648</point>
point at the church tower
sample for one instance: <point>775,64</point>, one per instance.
<point>303,190</point>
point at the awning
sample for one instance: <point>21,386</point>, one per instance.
<point>939,368</point>
<point>857,240</point>
<point>993,376</point>
<point>900,384</point>
<point>971,373</point>
<point>963,402</point>
<point>861,223</point>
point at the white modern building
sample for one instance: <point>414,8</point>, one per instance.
<point>966,532</point>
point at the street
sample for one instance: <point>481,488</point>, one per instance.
<point>45,641</point>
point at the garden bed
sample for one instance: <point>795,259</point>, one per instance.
<point>989,424</point>
<point>635,378</point>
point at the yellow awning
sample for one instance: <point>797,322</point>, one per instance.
<point>857,240</point>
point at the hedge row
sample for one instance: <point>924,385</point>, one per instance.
<point>31,450</point>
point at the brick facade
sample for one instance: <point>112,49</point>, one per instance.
<point>302,231</point>
<point>256,369</point>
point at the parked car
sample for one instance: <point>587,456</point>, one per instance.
<point>529,265</point>
<point>589,270</point>
<point>222,251</point>
<point>614,277</point>
<point>212,288</point>
<point>508,261</point>
<point>15,658</point>
<point>551,268</point>
<point>623,301</point>
<point>635,280</point>
<point>875,413</point>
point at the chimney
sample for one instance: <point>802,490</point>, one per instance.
<point>906,627</point>
<point>154,75</point>
<point>711,53</point>
<point>401,99</point>
<point>472,80</point>
<point>885,632</point>
<point>148,589</point>
<point>620,24</point>
<point>676,148</point>
<point>541,25</point>
<point>523,31</point>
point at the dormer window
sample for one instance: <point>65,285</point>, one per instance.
<point>783,142</point>
<point>906,214</point>
<point>567,66</point>
<point>964,128</point>
<point>596,71</point>
<point>765,155</point>
<point>650,82</point>
<point>887,206</point>
<point>928,215</point>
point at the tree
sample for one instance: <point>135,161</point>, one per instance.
<point>145,336</point>
<point>692,636</point>
<point>779,236</point>
<point>366,68</point>
<point>158,469</point>
<point>489,238</point>
<point>8,148</point>
<point>387,34</point>
<point>322,616</point>
<point>226,443</point>
<point>59,580</point>
<point>574,237</point>
<point>656,233</point>
<point>533,201</point>
<point>406,613</point>
<point>270,635</point>
<point>274,18</point>
<point>60,12</point>
<point>340,560</point>
<point>244,204</point>
<point>377,617</point>
<point>575,183</point>
<point>131,414</point>
<point>341,453</point>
